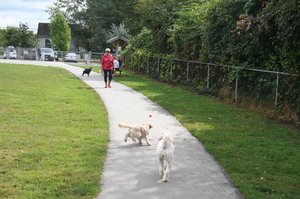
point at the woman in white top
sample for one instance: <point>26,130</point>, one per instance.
<point>116,65</point>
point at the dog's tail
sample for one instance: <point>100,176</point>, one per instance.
<point>124,126</point>
<point>167,139</point>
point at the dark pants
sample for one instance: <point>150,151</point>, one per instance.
<point>109,75</point>
<point>119,69</point>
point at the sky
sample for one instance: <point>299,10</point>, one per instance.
<point>30,12</point>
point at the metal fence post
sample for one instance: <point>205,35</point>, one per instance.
<point>139,64</point>
<point>89,57</point>
<point>158,63</point>
<point>171,66</point>
<point>208,75</point>
<point>187,71</point>
<point>124,60</point>
<point>236,86</point>
<point>276,93</point>
<point>148,64</point>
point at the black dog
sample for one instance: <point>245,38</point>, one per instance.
<point>87,71</point>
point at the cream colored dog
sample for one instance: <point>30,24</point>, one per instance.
<point>165,152</point>
<point>137,131</point>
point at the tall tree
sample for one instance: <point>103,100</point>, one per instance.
<point>11,36</point>
<point>60,32</point>
<point>27,38</point>
<point>2,32</point>
<point>159,16</point>
<point>96,16</point>
<point>19,36</point>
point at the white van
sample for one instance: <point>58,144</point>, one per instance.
<point>11,51</point>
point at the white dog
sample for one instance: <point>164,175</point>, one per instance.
<point>165,152</point>
<point>137,131</point>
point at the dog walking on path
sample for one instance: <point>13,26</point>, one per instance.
<point>87,71</point>
<point>165,152</point>
<point>137,131</point>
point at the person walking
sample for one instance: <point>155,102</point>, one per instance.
<point>120,64</point>
<point>107,64</point>
<point>116,65</point>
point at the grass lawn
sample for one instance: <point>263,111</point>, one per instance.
<point>53,134</point>
<point>261,156</point>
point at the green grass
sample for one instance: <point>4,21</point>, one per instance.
<point>95,67</point>
<point>53,134</point>
<point>262,157</point>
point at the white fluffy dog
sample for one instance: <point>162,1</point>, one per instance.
<point>165,152</point>
<point>137,131</point>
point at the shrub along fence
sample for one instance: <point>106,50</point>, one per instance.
<point>239,84</point>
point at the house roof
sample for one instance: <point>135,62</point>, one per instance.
<point>44,30</point>
<point>114,39</point>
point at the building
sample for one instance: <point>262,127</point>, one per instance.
<point>44,38</point>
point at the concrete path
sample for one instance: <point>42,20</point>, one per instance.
<point>131,170</point>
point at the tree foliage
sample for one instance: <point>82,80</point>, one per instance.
<point>117,31</point>
<point>60,32</point>
<point>95,18</point>
<point>2,32</point>
<point>260,34</point>
<point>141,43</point>
<point>18,36</point>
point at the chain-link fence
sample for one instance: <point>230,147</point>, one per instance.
<point>234,83</point>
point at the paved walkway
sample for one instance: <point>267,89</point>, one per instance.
<point>131,170</point>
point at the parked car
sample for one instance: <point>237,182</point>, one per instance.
<point>47,54</point>
<point>70,57</point>
<point>11,51</point>
<point>30,54</point>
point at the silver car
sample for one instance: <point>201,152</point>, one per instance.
<point>70,57</point>
<point>47,54</point>
<point>30,54</point>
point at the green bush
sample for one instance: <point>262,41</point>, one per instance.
<point>247,33</point>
